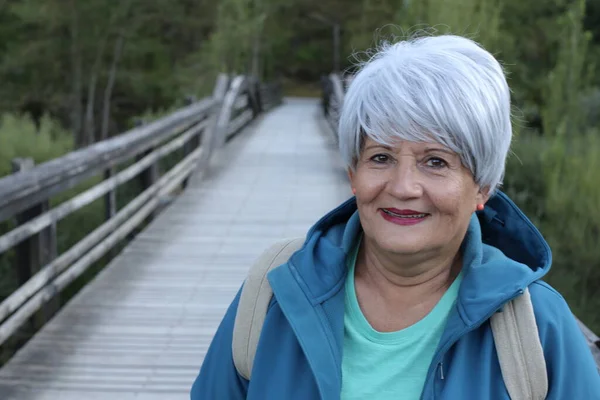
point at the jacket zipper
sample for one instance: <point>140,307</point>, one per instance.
<point>438,380</point>
<point>439,356</point>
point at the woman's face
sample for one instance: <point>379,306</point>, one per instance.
<point>414,197</point>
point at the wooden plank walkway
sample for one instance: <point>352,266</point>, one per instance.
<point>141,328</point>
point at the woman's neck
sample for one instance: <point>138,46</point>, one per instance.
<point>407,281</point>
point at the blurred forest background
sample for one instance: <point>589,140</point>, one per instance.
<point>74,72</point>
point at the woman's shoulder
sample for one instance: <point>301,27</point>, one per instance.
<point>556,322</point>
<point>541,288</point>
<point>548,304</point>
<point>571,365</point>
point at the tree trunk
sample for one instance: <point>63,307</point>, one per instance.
<point>76,114</point>
<point>336,47</point>
<point>89,127</point>
<point>109,86</point>
<point>256,49</point>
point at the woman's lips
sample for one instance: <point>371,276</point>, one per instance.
<point>403,217</point>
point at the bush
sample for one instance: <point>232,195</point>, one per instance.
<point>555,180</point>
<point>19,137</point>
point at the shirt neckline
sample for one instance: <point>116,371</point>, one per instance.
<point>436,316</point>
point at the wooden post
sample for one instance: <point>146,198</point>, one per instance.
<point>149,176</point>
<point>255,97</point>
<point>110,205</point>
<point>191,144</point>
<point>36,251</point>
<point>110,198</point>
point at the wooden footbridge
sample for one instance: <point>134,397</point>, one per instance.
<point>250,169</point>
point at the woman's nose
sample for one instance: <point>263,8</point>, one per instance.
<point>404,181</point>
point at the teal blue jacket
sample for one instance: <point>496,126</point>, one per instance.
<point>299,354</point>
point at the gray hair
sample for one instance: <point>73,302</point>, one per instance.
<point>444,88</point>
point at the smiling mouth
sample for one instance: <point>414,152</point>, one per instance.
<point>406,216</point>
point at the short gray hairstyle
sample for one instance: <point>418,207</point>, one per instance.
<point>442,88</point>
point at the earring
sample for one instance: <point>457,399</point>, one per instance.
<point>480,207</point>
<point>354,191</point>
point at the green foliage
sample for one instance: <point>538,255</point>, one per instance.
<point>563,113</point>
<point>21,138</point>
<point>56,58</point>
<point>555,181</point>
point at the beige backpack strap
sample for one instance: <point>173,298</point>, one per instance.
<point>254,301</point>
<point>520,350</point>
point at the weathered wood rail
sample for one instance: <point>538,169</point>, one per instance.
<point>196,129</point>
<point>334,87</point>
<point>141,327</point>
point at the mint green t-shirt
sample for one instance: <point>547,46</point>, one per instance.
<point>389,365</point>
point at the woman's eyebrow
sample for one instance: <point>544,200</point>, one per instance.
<point>441,149</point>
<point>375,146</point>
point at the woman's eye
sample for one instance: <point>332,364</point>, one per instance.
<point>380,158</point>
<point>436,162</point>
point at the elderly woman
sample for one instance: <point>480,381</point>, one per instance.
<point>391,294</point>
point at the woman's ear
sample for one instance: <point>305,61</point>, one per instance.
<point>350,174</point>
<point>483,195</point>
<point>351,179</point>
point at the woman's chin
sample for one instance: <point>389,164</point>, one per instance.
<point>403,240</point>
<point>403,247</point>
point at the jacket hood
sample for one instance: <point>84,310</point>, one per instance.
<point>503,254</point>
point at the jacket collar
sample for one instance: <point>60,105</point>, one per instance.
<point>503,253</point>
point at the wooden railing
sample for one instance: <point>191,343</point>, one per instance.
<point>334,87</point>
<point>196,130</point>
<point>593,341</point>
